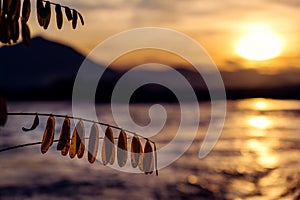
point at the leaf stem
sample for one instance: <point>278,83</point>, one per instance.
<point>77,118</point>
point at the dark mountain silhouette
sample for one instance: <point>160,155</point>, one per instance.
<point>47,70</point>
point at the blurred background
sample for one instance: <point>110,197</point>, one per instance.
<point>254,45</point>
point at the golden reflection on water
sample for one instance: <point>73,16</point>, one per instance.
<point>264,151</point>
<point>260,104</point>
<point>261,125</point>
<point>260,122</point>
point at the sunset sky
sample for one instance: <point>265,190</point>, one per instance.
<point>219,26</point>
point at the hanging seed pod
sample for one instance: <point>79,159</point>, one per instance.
<point>25,33</point>
<point>36,122</point>
<point>122,153</point>
<point>6,30</point>
<point>14,11</point>
<point>59,16</point>
<point>93,143</point>
<point>81,19</point>
<point>3,111</point>
<point>68,13</point>
<point>15,30</point>
<point>73,146</point>
<point>48,134</point>
<point>63,144</point>
<point>6,7</point>
<point>74,20</point>
<point>81,141</point>
<point>26,9</point>
<point>41,12</point>
<point>48,15</point>
<point>108,147</point>
<point>148,162</point>
<point>76,143</point>
<point>136,153</point>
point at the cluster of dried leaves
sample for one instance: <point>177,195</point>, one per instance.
<point>75,145</point>
<point>11,14</point>
<point>141,157</point>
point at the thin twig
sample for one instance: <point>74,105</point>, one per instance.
<point>155,160</point>
<point>57,4</point>
<point>78,118</point>
<point>22,145</point>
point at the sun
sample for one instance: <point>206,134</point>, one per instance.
<point>260,43</point>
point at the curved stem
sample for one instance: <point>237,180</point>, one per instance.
<point>57,4</point>
<point>77,118</point>
<point>155,152</point>
<point>22,145</point>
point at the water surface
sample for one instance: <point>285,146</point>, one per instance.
<point>257,157</point>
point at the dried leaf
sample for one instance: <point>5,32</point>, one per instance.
<point>6,7</point>
<point>122,153</point>
<point>36,122</point>
<point>48,134</point>
<point>81,141</point>
<point>108,147</point>
<point>68,13</point>
<point>136,153</point>
<point>81,19</point>
<point>93,143</point>
<point>3,111</point>
<point>74,20</point>
<point>73,146</point>
<point>48,15</point>
<point>63,144</point>
<point>25,33</point>
<point>41,12</point>
<point>15,30</point>
<point>26,9</point>
<point>14,10</point>
<point>148,162</point>
<point>5,28</point>
<point>3,35</point>
<point>59,16</point>
<point>77,141</point>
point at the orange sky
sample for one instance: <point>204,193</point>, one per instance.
<point>216,25</point>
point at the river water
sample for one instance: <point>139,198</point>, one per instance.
<point>257,157</point>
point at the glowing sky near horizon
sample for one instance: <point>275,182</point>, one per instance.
<point>216,25</point>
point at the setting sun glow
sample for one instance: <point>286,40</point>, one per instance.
<point>260,43</point>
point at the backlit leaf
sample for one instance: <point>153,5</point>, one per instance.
<point>81,19</point>
<point>25,33</point>
<point>48,15</point>
<point>93,143</point>
<point>26,9</point>
<point>74,20</point>
<point>136,153</point>
<point>63,144</point>
<point>122,153</point>
<point>36,122</point>
<point>59,16</point>
<point>81,141</point>
<point>148,162</point>
<point>68,13</point>
<point>108,147</point>
<point>48,136</point>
